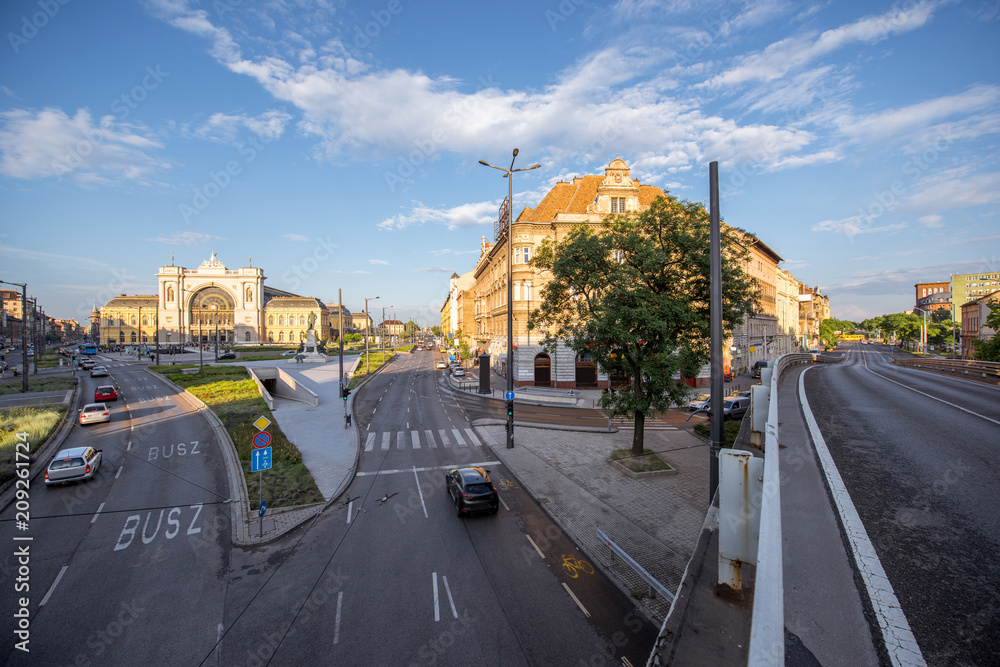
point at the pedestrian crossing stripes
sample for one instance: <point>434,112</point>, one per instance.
<point>430,439</point>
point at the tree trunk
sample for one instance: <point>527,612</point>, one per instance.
<point>640,416</point>
<point>637,433</point>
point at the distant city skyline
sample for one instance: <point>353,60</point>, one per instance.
<point>338,145</point>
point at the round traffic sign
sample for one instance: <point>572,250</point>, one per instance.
<point>509,396</point>
<point>262,439</point>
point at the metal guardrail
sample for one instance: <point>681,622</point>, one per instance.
<point>654,585</point>
<point>963,367</point>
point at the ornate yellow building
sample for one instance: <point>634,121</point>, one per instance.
<point>211,303</point>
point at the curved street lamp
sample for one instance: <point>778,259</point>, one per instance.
<point>506,229</point>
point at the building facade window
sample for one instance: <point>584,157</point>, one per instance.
<point>522,255</point>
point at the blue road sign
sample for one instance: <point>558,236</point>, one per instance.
<point>260,459</point>
<point>263,508</point>
<point>262,439</point>
<point>509,396</point>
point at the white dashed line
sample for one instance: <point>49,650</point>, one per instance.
<point>99,508</point>
<point>54,584</point>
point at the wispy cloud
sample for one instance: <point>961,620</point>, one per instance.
<point>463,215</point>
<point>49,143</point>
<point>185,238</point>
<point>434,270</point>
<point>228,128</point>
<point>380,262</point>
<point>295,237</point>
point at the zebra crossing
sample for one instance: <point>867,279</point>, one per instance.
<point>427,438</point>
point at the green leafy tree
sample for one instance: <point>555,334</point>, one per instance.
<point>436,330</point>
<point>829,327</point>
<point>939,315</point>
<point>410,328</point>
<point>633,294</point>
<point>989,350</point>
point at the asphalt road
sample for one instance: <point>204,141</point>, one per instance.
<point>918,453</point>
<point>396,578</point>
<point>124,568</point>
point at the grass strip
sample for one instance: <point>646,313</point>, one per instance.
<point>731,429</point>
<point>648,462</point>
<point>232,395</point>
<point>38,421</point>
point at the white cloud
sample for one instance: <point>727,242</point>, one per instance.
<point>855,225</point>
<point>794,52</point>
<point>930,221</point>
<point>186,238</point>
<point>227,128</point>
<point>381,262</point>
<point>954,188</point>
<point>464,215</point>
<point>295,237</point>
<point>51,143</point>
<point>434,270</point>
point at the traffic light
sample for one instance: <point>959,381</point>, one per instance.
<point>510,410</point>
<point>345,392</point>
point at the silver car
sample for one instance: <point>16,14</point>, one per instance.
<point>94,413</point>
<point>71,465</point>
<point>700,402</point>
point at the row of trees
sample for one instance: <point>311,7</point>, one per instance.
<point>907,327</point>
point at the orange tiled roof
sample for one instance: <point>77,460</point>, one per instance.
<point>575,197</point>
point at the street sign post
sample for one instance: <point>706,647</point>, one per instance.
<point>260,459</point>
<point>263,508</point>
<point>262,439</point>
<point>509,396</point>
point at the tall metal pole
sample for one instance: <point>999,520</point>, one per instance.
<point>368,328</point>
<point>506,229</point>
<point>340,337</point>
<point>24,338</point>
<point>157,319</point>
<point>715,327</point>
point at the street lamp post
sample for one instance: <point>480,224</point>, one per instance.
<point>381,338</point>
<point>368,328</point>
<point>215,316</point>
<point>506,229</point>
<point>923,331</point>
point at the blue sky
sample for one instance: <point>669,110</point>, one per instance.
<point>337,144</point>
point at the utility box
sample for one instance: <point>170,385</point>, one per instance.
<point>484,374</point>
<point>760,403</point>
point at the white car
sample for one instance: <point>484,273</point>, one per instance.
<point>94,413</point>
<point>701,402</point>
<point>459,373</point>
<point>74,464</point>
<point>441,365</point>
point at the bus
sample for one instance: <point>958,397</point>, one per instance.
<point>88,348</point>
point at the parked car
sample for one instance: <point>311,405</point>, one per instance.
<point>459,373</point>
<point>71,465</point>
<point>734,407</point>
<point>94,413</point>
<point>472,491</point>
<point>98,372</point>
<point>757,365</point>
<point>105,392</point>
<point>227,355</point>
<point>700,402</point>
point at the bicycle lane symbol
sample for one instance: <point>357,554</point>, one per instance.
<point>573,566</point>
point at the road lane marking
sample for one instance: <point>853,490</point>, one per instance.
<point>437,610</point>
<point>350,508</point>
<point>444,438</point>
<point>429,434</point>
<point>336,623</point>
<point>370,443</point>
<point>53,586</point>
<point>399,439</point>
<point>129,448</point>
<point>415,435</point>
<point>458,438</point>
<point>99,508</point>
<point>577,601</point>
<point>472,438</point>
<point>447,589</point>
<point>369,473</point>
<point>896,633</point>
<point>974,414</point>
<point>385,441</point>
<point>122,467</point>
<point>419,491</point>
<point>540,554</point>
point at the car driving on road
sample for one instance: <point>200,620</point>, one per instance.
<point>472,491</point>
<point>94,413</point>
<point>71,465</point>
<point>105,392</point>
<point>98,372</point>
